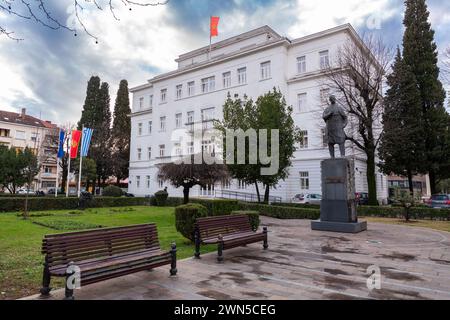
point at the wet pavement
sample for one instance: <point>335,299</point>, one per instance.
<point>300,264</point>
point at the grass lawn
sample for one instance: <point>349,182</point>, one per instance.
<point>431,224</point>
<point>20,240</point>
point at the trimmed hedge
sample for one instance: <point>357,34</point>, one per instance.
<point>296,205</point>
<point>253,216</point>
<point>8,204</point>
<point>112,191</point>
<point>215,207</point>
<point>399,212</point>
<point>279,212</point>
<point>185,216</point>
<point>161,197</point>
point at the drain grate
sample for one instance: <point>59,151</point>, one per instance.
<point>374,241</point>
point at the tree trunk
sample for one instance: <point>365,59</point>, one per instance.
<point>266,194</point>
<point>94,185</point>
<point>433,184</point>
<point>371,179</point>
<point>410,183</point>
<point>185,194</point>
<point>257,192</point>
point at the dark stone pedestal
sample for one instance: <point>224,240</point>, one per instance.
<point>338,206</point>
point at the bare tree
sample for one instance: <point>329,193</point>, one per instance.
<point>446,66</point>
<point>42,13</point>
<point>357,77</point>
<point>187,174</point>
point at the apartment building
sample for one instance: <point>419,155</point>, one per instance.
<point>251,64</point>
<point>20,130</point>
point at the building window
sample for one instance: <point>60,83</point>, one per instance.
<point>150,101</point>
<point>226,76</point>
<point>139,154</point>
<point>178,120</point>
<point>163,95</point>
<point>139,129</point>
<point>301,64</point>
<point>304,139</point>
<point>191,88</point>
<point>226,185</point>
<point>160,182</point>
<point>324,95</point>
<point>265,70</point>
<point>162,124</point>
<point>138,181</point>
<point>148,182</point>
<point>190,147</point>
<point>208,190</point>
<point>4,133</point>
<point>47,169</point>
<point>141,103</point>
<point>324,137</point>
<point>149,152</point>
<point>208,114</point>
<point>208,84</point>
<point>190,117</point>
<point>150,127</point>
<point>242,75</point>
<point>304,180</point>
<point>162,150</point>
<point>20,135</point>
<point>208,147</point>
<point>34,137</point>
<point>179,90</point>
<point>324,59</point>
<point>301,102</point>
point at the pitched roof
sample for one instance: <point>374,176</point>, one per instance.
<point>18,118</point>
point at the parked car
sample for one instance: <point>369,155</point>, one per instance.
<point>51,191</point>
<point>439,201</point>
<point>25,191</point>
<point>362,198</point>
<point>307,198</point>
<point>129,195</point>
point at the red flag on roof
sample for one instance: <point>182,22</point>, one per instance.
<point>214,26</point>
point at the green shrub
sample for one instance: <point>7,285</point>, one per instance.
<point>419,212</point>
<point>8,204</point>
<point>161,198</point>
<point>112,191</point>
<point>185,216</point>
<point>253,216</point>
<point>66,224</point>
<point>218,207</point>
<point>296,205</point>
<point>282,212</point>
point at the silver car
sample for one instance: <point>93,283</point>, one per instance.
<point>307,198</point>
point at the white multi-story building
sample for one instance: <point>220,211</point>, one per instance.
<point>251,64</point>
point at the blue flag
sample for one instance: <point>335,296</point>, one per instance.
<point>62,134</point>
<point>85,141</point>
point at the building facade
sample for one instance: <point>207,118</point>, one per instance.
<point>250,64</point>
<point>20,130</point>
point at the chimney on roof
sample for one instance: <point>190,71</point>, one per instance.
<point>49,122</point>
<point>24,111</point>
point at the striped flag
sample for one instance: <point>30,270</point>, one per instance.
<point>85,141</point>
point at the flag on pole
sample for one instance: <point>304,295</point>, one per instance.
<point>76,135</point>
<point>85,141</point>
<point>62,135</point>
<point>214,31</point>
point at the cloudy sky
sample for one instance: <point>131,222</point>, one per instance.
<point>48,70</point>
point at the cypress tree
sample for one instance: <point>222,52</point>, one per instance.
<point>420,54</point>
<point>88,115</point>
<point>402,147</point>
<point>121,132</point>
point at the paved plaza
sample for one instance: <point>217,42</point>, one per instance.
<point>300,264</point>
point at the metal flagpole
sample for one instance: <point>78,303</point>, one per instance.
<point>57,176</point>
<point>68,167</point>
<point>81,162</point>
<point>209,54</point>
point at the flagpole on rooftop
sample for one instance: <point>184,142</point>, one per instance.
<point>81,162</point>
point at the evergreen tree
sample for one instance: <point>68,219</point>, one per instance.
<point>420,54</point>
<point>97,115</point>
<point>402,147</point>
<point>121,132</point>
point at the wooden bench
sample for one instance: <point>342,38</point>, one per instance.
<point>227,232</point>
<point>91,256</point>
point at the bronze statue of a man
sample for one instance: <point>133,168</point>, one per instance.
<point>336,121</point>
